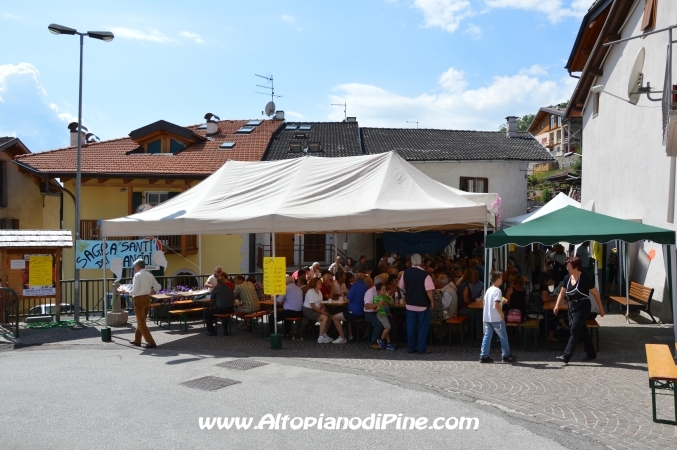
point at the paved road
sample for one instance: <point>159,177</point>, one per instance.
<point>607,401</point>
<point>134,399</point>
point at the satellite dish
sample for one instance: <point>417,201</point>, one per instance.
<point>143,207</point>
<point>270,109</point>
<point>636,79</point>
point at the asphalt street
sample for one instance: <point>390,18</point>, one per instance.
<point>114,396</point>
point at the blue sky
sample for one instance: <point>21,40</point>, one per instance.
<point>458,64</point>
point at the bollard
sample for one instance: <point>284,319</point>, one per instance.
<point>105,334</point>
<point>276,341</point>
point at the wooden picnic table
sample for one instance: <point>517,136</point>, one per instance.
<point>548,308</point>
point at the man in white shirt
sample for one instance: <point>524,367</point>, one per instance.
<point>336,267</point>
<point>494,320</point>
<point>212,281</point>
<point>143,285</point>
<point>584,253</point>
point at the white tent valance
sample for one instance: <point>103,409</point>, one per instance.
<point>375,193</point>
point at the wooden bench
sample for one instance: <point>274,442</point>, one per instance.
<point>183,317</point>
<point>662,375</point>
<point>225,320</point>
<point>458,321</point>
<point>593,329</point>
<point>533,327</point>
<point>299,323</point>
<point>640,298</point>
<point>255,316</point>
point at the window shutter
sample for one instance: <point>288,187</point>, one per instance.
<point>137,199</point>
<point>649,18</point>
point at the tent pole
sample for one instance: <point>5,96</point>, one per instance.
<point>199,253</point>
<point>487,261</point>
<point>105,287</point>
<point>672,280</point>
<point>626,260</point>
<point>335,247</point>
<point>272,249</point>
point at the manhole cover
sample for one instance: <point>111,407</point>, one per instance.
<point>242,364</point>
<point>664,338</point>
<point>209,383</point>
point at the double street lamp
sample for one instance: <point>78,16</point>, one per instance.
<point>105,36</point>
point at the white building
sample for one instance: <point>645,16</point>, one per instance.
<point>626,171</point>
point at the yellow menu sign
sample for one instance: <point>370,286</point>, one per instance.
<point>274,276</point>
<point>40,270</point>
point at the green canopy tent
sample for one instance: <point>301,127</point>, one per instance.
<point>577,225</point>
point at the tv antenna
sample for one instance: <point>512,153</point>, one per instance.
<point>413,121</point>
<point>271,87</point>
<point>345,109</point>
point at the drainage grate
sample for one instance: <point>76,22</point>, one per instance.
<point>209,383</point>
<point>242,364</point>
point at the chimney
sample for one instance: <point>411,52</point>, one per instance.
<point>279,115</point>
<point>73,127</point>
<point>212,126</point>
<point>351,119</point>
<point>512,126</point>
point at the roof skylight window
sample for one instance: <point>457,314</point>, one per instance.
<point>304,127</point>
<point>291,127</point>
<point>227,145</point>
<point>245,130</point>
<point>254,123</point>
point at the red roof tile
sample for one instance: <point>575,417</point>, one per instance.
<point>199,159</point>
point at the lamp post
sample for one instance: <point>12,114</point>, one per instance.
<point>105,36</point>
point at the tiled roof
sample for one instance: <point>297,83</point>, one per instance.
<point>163,125</point>
<point>198,160</point>
<point>452,145</point>
<point>35,238</point>
<point>558,112</point>
<point>6,139</point>
<point>336,139</point>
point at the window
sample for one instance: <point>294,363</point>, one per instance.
<point>164,144</point>
<point>227,145</point>
<point>480,185</point>
<point>254,123</point>
<point>89,230</point>
<point>155,198</point>
<point>3,184</point>
<point>175,146</point>
<point>154,147</point>
<point>552,121</point>
<point>559,135</point>
<point>649,18</point>
<point>595,104</point>
<point>291,127</point>
<point>245,130</point>
<point>559,121</point>
<point>304,127</point>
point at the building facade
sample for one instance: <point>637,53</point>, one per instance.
<point>626,172</point>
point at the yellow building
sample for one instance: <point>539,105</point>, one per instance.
<point>27,201</point>
<point>153,164</point>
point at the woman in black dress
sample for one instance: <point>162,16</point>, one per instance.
<point>578,286</point>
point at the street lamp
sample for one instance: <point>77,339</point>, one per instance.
<point>105,36</point>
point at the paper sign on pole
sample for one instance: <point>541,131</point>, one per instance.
<point>17,264</point>
<point>274,275</point>
<point>40,270</point>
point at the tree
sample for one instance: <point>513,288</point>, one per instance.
<point>522,123</point>
<point>546,195</point>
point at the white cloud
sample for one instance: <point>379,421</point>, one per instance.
<point>287,18</point>
<point>19,70</point>
<point>445,14</point>
<point>536,70</point>
<point>474,31</point>
<point>555,10</point>
<point>193,36</point>
<point>26,111</point>
<point>452,104</point>
<point>64,116</point>
<point>151,35</point>
<point>448,14</point>
<point>294,115</point>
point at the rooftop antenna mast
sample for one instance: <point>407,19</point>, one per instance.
<point>413,121</point>
<point>345,109</point>
<point>271,87</point>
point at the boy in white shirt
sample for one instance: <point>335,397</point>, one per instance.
<point>494,320</point>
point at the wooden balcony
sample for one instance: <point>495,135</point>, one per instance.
<point>184,245</point>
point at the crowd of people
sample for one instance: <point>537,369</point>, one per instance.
<point>434,289</point>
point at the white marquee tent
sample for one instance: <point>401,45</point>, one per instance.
<point>375,193</point>
<point>560,201</point>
